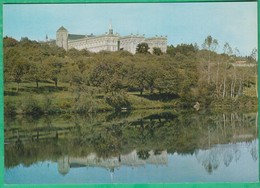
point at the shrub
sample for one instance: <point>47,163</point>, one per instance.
<point>47,102</point>
<point>9,108</point>
<point>117,100</point>
<point>30,106</point>
<point>85,103</point>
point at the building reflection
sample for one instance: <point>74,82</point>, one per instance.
<point>132,159</point>
<point>210,159</point>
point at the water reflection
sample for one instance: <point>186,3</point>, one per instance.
<point>132,159</point>
<point>136,139</point>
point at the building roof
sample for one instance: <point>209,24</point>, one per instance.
<point>62,29</point>
<point>157,38</point>
<point>133,36</point>
<point>75,36</point>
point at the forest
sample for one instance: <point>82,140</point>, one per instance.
<point>41,78</point>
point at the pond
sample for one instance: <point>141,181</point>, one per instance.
<point>151,146</point>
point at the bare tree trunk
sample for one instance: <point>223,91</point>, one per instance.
<point>224,123</point>
<point>234,88</point>
<point>234,83</point>
<point>224,87</point>
<point>217,82</point>
<point>209,69</point>
<point>141,91</point>
<point>209,73</point>
<point>231,85</point>
<point>240,88</point>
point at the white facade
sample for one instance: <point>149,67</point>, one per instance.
<point>107,42</point>
<point>62,38</point>
<point>157,42</point>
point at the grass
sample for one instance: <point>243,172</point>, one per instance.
<point>250,91</point>
<point>48,99</point>
<point>139,102</point>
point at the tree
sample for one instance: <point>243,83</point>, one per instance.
<point>254,57</point>
<point>19,69</point>
<point>107,75</point>
<point>137,77</point>
<point>142,48</point>
<point>184,49</point>
<point>227,50</point>
<point>196,47</point>
<point>9,42</point>
<point>15,62</point>
<point>168,81</point>
<point>210,45</point>
<point>36,72</point>
<point>117,100</point>
<point>53,66</point>
<point>157,51</point>
<point>170,50</point>
<point>73,74</point>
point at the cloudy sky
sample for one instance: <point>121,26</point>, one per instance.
<point>235,23</point>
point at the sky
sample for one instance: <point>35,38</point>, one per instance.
<point>235,23</point>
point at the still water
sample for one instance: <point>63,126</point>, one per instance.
<point>134,147</point>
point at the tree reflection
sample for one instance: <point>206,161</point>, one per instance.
<point>182,132</point>
<point>143,154</point>
<point>254,150</point>
<point>228,157</point>
<point>19,146</point>
<point>209,159</point>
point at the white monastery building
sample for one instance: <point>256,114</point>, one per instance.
<point>107,42</point>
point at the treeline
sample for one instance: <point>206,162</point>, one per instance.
<point>185,71</point>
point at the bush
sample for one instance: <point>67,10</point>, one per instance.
<point>9,108</point>
<point>85,103</point>
<point>47,102</point>
<point>117,101</point>
<point>30,106</point>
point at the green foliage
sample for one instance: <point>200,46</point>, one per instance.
<point>36,72</point>
<point>9,108</point>
<point>30,106</point>
<point>85,104</point>
<point>118,100</point>
<point>53,66</point>
<point>157,51</point>
<point>181,72</point>
<point>142,48</point>
<point>19,70</point>
<point>184,49</point>
<point>108,75</point>
<point>210,43</point>
<point>47,104</point>
<point>124,53</point>
<point>9,42</point>
<point>16,69</point>
<point>206,94</point>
